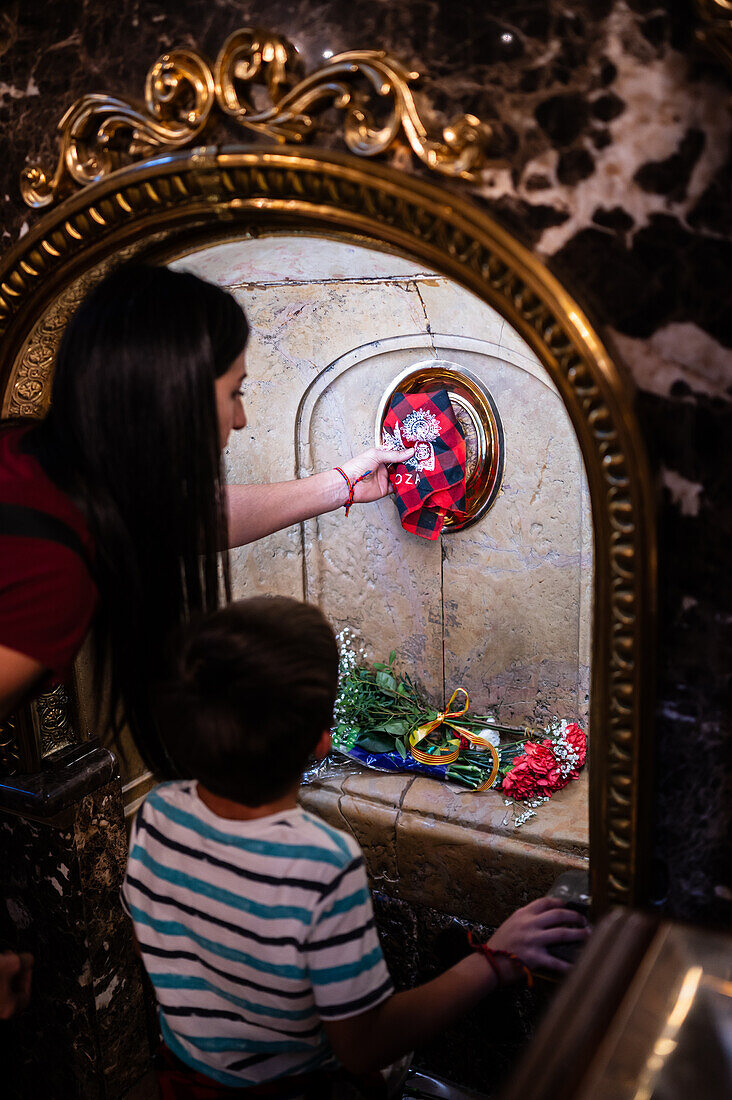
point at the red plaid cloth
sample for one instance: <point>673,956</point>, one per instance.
<point>430,486</point>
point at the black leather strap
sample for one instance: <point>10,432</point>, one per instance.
<point>30,523</point>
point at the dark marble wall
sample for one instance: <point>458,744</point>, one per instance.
<point>84,1036</point>
<point>617,130</point>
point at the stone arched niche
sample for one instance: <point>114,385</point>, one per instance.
<point>503,607</point>
<point>174,205</point>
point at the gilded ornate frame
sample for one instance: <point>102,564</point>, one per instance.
<point>154,206</point>
<point>164,205</point>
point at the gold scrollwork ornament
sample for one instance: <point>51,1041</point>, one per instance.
<point>99,133</point>
<point>52,717</point>
<point>256,56</point>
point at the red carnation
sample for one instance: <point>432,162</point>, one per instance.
<point>535,773</point>
<point>577,741</point>
<point>545,766</point>
<point>520,782</point>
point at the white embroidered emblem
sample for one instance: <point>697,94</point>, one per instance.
<point>420,427</point>
<point>421,424</point>
<point>424,456</point>
<point>394,442</point>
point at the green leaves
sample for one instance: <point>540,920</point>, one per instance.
<point>397,727</point>
<point>381,705</point>
<point>386,681</point>
<point>377,709</point>
<point>373,741</point>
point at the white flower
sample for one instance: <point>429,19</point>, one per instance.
<point>491,736</point>
<point>528,808</point>
<point>523,818</point>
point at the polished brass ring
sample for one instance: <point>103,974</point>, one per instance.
<point>480,420</point>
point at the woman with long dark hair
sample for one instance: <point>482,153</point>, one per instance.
<point>114,507</point>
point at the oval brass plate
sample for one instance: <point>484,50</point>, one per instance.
<point>478,416</point>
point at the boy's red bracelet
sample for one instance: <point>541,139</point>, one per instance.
<point>491,955</point>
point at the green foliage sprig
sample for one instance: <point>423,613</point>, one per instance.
<point>377,708</point>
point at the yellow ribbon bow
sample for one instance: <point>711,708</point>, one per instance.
<point>452,752</point>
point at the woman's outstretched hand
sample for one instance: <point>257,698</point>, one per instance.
<point>257,510</point>
<point>376,459</point>
<point>532,930</point>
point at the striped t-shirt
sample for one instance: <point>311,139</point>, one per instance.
<point>252,933</point>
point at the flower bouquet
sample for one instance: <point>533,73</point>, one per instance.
<point>385,721</point>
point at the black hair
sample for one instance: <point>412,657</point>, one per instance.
<point>251,691</point>
<point>132,436</point>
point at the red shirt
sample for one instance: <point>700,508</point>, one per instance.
<point>47,595</point>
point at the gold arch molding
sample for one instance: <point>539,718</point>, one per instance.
<point>159,207</point>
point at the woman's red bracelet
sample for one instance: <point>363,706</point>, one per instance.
<point>351,486</point>
<point>491,955</point>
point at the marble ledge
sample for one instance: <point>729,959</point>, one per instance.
<point>428,842</point>
<point>561,824</point>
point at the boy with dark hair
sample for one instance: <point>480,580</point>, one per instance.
<point>254,917</point>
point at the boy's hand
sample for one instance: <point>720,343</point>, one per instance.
<point>531,931</point>
<point>415,1016</point>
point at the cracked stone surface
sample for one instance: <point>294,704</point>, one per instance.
<point>502,608</point>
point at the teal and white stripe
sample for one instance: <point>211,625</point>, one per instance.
<point>252,933</point>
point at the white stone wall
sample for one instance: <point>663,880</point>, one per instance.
<point>502,608</point>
